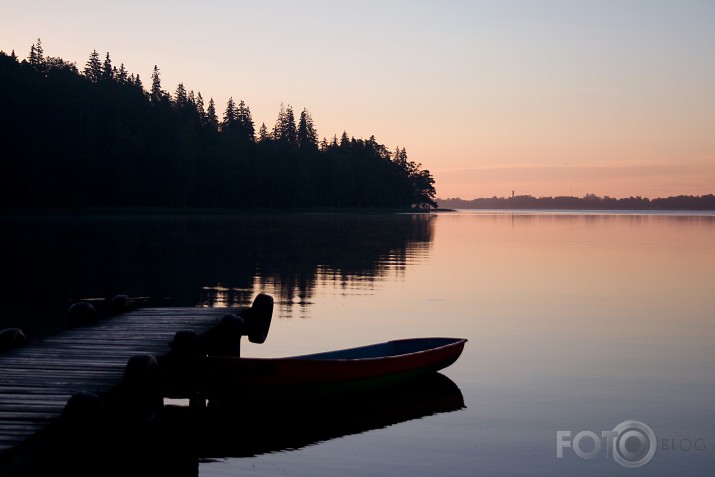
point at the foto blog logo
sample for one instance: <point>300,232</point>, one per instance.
<point>631,443</point>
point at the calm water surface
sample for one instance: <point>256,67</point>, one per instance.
<point>575,321</point>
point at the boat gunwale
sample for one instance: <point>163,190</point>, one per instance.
<point>309,357</point>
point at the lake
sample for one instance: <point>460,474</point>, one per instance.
<point>591,334</point>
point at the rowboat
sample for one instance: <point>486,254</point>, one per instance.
<point>211,366</point>
<point>341,371</point>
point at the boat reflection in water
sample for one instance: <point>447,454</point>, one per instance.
<point>181,437</point>
<point>253,428</point>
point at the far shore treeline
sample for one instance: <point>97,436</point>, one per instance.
<point>95,136</point>
<point>588,202</point>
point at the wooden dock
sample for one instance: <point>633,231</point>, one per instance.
<point>38,379</point>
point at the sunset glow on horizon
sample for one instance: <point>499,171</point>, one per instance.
<point>543,98</point>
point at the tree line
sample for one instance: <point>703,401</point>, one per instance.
<point>96,136</point>
<point>588,202</point>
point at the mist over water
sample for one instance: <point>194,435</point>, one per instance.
<point>575,321</point>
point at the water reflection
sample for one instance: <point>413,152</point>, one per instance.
<point>579,321</point>
<point>50,261</point>
<point>254,428</point>
<point>695,219</point>
<point>182,437</point>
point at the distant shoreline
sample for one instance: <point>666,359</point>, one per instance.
<point>585,211</point>
<point>587,203</point>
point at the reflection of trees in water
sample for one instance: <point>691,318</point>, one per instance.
<point>184,261</point>
<point>292,255</point>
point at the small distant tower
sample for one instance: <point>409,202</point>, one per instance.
<point>512,194</point>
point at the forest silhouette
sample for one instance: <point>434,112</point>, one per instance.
<point>96,137</point>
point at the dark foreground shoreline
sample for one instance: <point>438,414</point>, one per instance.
<point>201,212</point>
<point>167,212</point>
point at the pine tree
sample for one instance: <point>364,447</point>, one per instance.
<point>107,73</point>
<point>291,129</point>
<point>200,110</point>
<point>191,100</point>
<point>156,93</point>
<point>400,156</point>
<point>344,140</point>
<point>285,130</point>
<point>180,97</point>
<point>36,57</point>
<point>32,57</point>
<point>229,115</point>
<point>122,74</point>
<point>93,68</point>
<point>39,52</point>
<point>263,134</point>
<point>307,135</point>
<point>280,123</point>
<point>245,122</point>
<point>211,118</point>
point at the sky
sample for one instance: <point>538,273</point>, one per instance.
<point>540,97</point>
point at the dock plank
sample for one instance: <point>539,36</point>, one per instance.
<point>38,379</point>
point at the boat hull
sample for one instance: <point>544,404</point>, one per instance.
<point>343,371</point>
